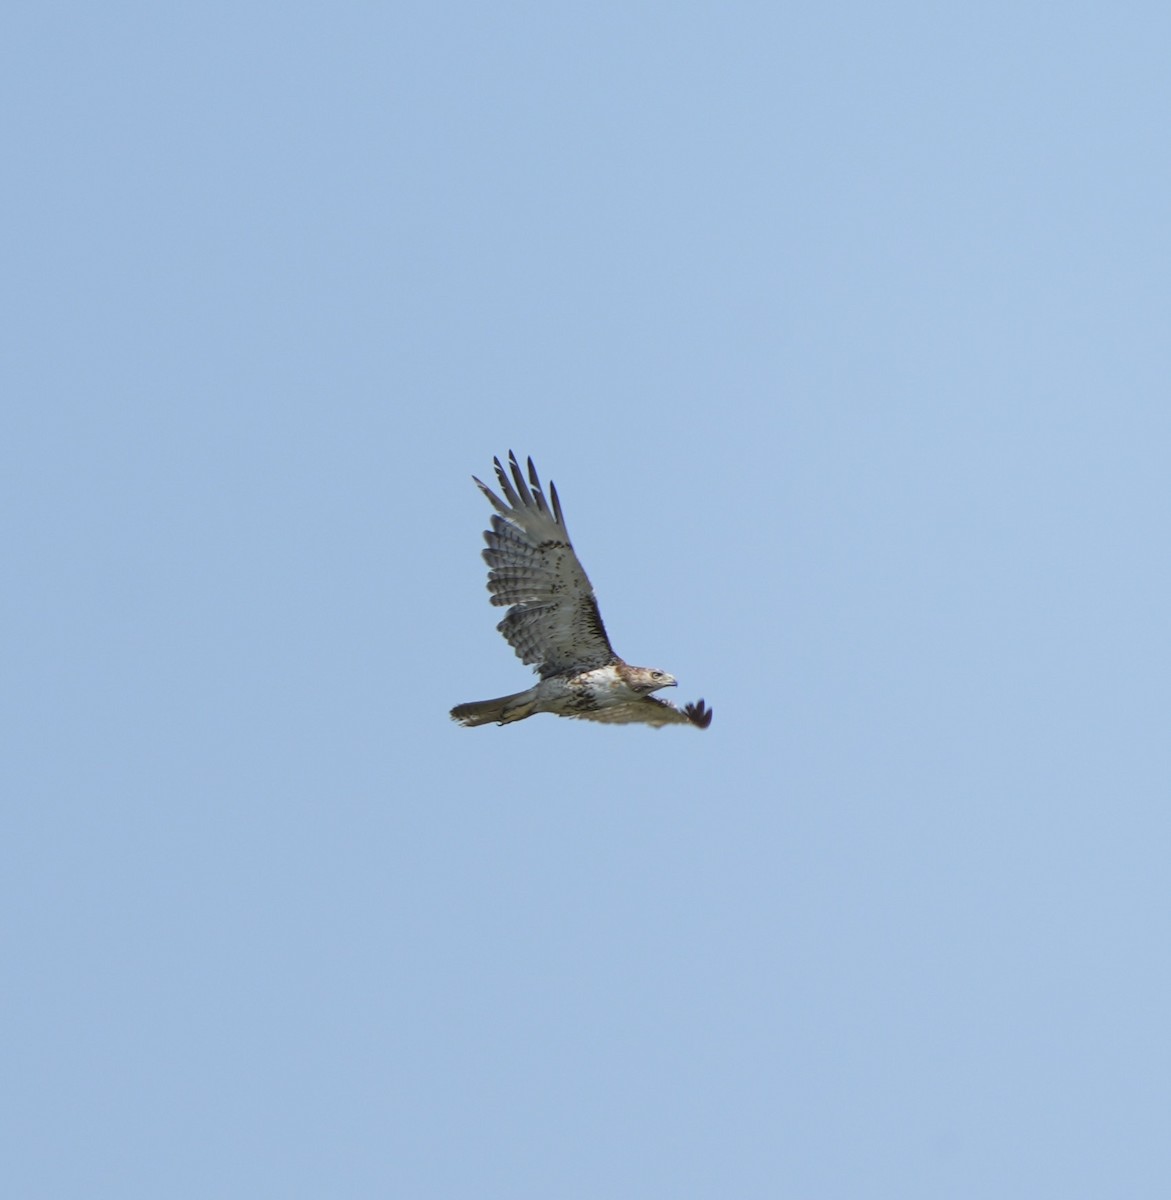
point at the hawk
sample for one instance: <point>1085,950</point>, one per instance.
<point>553,622</point>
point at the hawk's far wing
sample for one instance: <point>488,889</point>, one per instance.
<point>649,710</point>
<point>553,620</point>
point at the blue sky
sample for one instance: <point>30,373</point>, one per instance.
<point>843,330</point>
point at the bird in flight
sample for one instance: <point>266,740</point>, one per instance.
<point>553,622</point>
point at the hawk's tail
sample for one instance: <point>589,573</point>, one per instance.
<point>501,710</point>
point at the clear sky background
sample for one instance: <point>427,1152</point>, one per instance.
<point>843,330</point>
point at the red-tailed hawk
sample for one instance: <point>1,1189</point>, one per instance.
<point>553,622</point>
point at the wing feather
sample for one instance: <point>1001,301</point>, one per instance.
<point>552,621</point>
<point>649,710</point>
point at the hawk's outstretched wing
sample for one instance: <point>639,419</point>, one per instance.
<point>649,710</point>
<point>553,620</point>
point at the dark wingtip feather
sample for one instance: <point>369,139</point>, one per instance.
<point>518,477</point>
<point>505,483</point>
<point>535,484</point>
<point>493,499</point>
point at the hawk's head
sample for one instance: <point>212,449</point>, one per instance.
<point>645,680</point>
